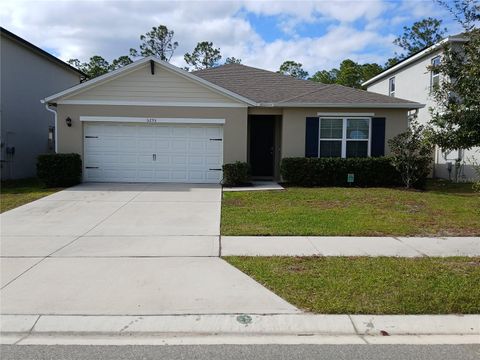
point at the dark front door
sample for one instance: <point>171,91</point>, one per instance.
<point>262,143</point>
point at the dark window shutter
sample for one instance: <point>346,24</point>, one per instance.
<point>378,137</point>
<point>311,137</point>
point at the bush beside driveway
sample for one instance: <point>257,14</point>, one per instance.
<point>444,209</point>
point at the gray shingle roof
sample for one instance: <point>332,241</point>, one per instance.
<point>264,86</point>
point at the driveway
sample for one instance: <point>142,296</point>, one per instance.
<point>124,249</point>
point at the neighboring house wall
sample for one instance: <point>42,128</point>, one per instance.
<point>70,139</point>
<point>293,125</point>
<point>413,82</point>
<point>26,78</point>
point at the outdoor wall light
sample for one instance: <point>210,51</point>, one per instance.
<point>68,121</point>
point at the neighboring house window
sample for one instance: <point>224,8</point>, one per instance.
<point>435,74</point>
<point>344,137</point>
<point>391,86</point>
<point>51,138</point>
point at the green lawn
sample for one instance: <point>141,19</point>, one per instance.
<point>361,285</point>
<point>14,193</point>
<point>444,209</point>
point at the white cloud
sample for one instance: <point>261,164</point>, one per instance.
<point>80,29</point>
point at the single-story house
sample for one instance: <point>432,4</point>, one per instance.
<point>153,122</point>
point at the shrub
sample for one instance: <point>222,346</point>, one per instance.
<point>411,155</point>
<point>377,171</point>
<point>236,174</point>
<point>59,169</point>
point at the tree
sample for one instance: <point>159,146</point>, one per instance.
<point>411,155</point>
<point>350,74</point>
<point>233,60</point>
<point>157,42</point>
<point>203,56</point>
<point>420,35</point>
<point>293,69</point>
<point>120,62</point>
<point>455,122</point>
<point>325,76</point>
<point>370,70</point>
<point>97,65</point>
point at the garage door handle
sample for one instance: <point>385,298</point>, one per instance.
<point>215,169</point>
<point>91,167</point>
<point>91,137</point>
<point>154,157</point>
<point>216,139</point>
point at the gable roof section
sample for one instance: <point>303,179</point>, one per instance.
<point>37,50</point>
<point>459,38</point>
<point>268,88</point>
<point>75,91</point>
<point>247,85</point>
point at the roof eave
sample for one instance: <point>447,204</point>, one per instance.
<point>347,105</point>
<point>40,51</point>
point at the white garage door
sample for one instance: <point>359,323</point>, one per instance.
<point>116,152</point>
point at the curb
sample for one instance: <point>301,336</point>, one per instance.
<point>241,328</point>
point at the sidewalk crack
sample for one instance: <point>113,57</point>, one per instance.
<point>409,246</point>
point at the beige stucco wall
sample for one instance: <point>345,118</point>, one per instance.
<point>70,139</point>
<point>293,126</point>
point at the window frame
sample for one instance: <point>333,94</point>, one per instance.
<point>390,82</point>
<point>432,72</point>
<point>344,138</point>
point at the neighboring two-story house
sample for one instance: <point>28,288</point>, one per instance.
<point>411,79</point>
<point>28,74</point>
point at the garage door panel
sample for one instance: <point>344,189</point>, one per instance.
<point>124,152</point>
<point>181,131</point>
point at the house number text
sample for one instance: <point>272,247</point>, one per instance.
<point>151,120</point>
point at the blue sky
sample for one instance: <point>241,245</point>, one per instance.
<point>318,34</point>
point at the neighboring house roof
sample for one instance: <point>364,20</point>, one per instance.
<point>414,57</point>
<point>257,87</point>
<point>268,88</point>
<point>37,50</point>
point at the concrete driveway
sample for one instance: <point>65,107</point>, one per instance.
<point>124,249</point>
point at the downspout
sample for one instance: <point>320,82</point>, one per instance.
<point>56,127</point>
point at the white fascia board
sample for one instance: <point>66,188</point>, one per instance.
<point>133,66</point>
<point>413,59</point>
<point>345,114</point>
<point>349,105</point>
<point>151,103</point>
<point>151,120</point>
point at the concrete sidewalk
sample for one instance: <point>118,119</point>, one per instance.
<point>240,328</point>
<point>349,246</point>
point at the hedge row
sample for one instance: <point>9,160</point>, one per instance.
<point>368,172</point>
<point>59,169</point>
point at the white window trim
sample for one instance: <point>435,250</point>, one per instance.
<point>390,92</point>
<point>344,134</point>
<point>432,75</point>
